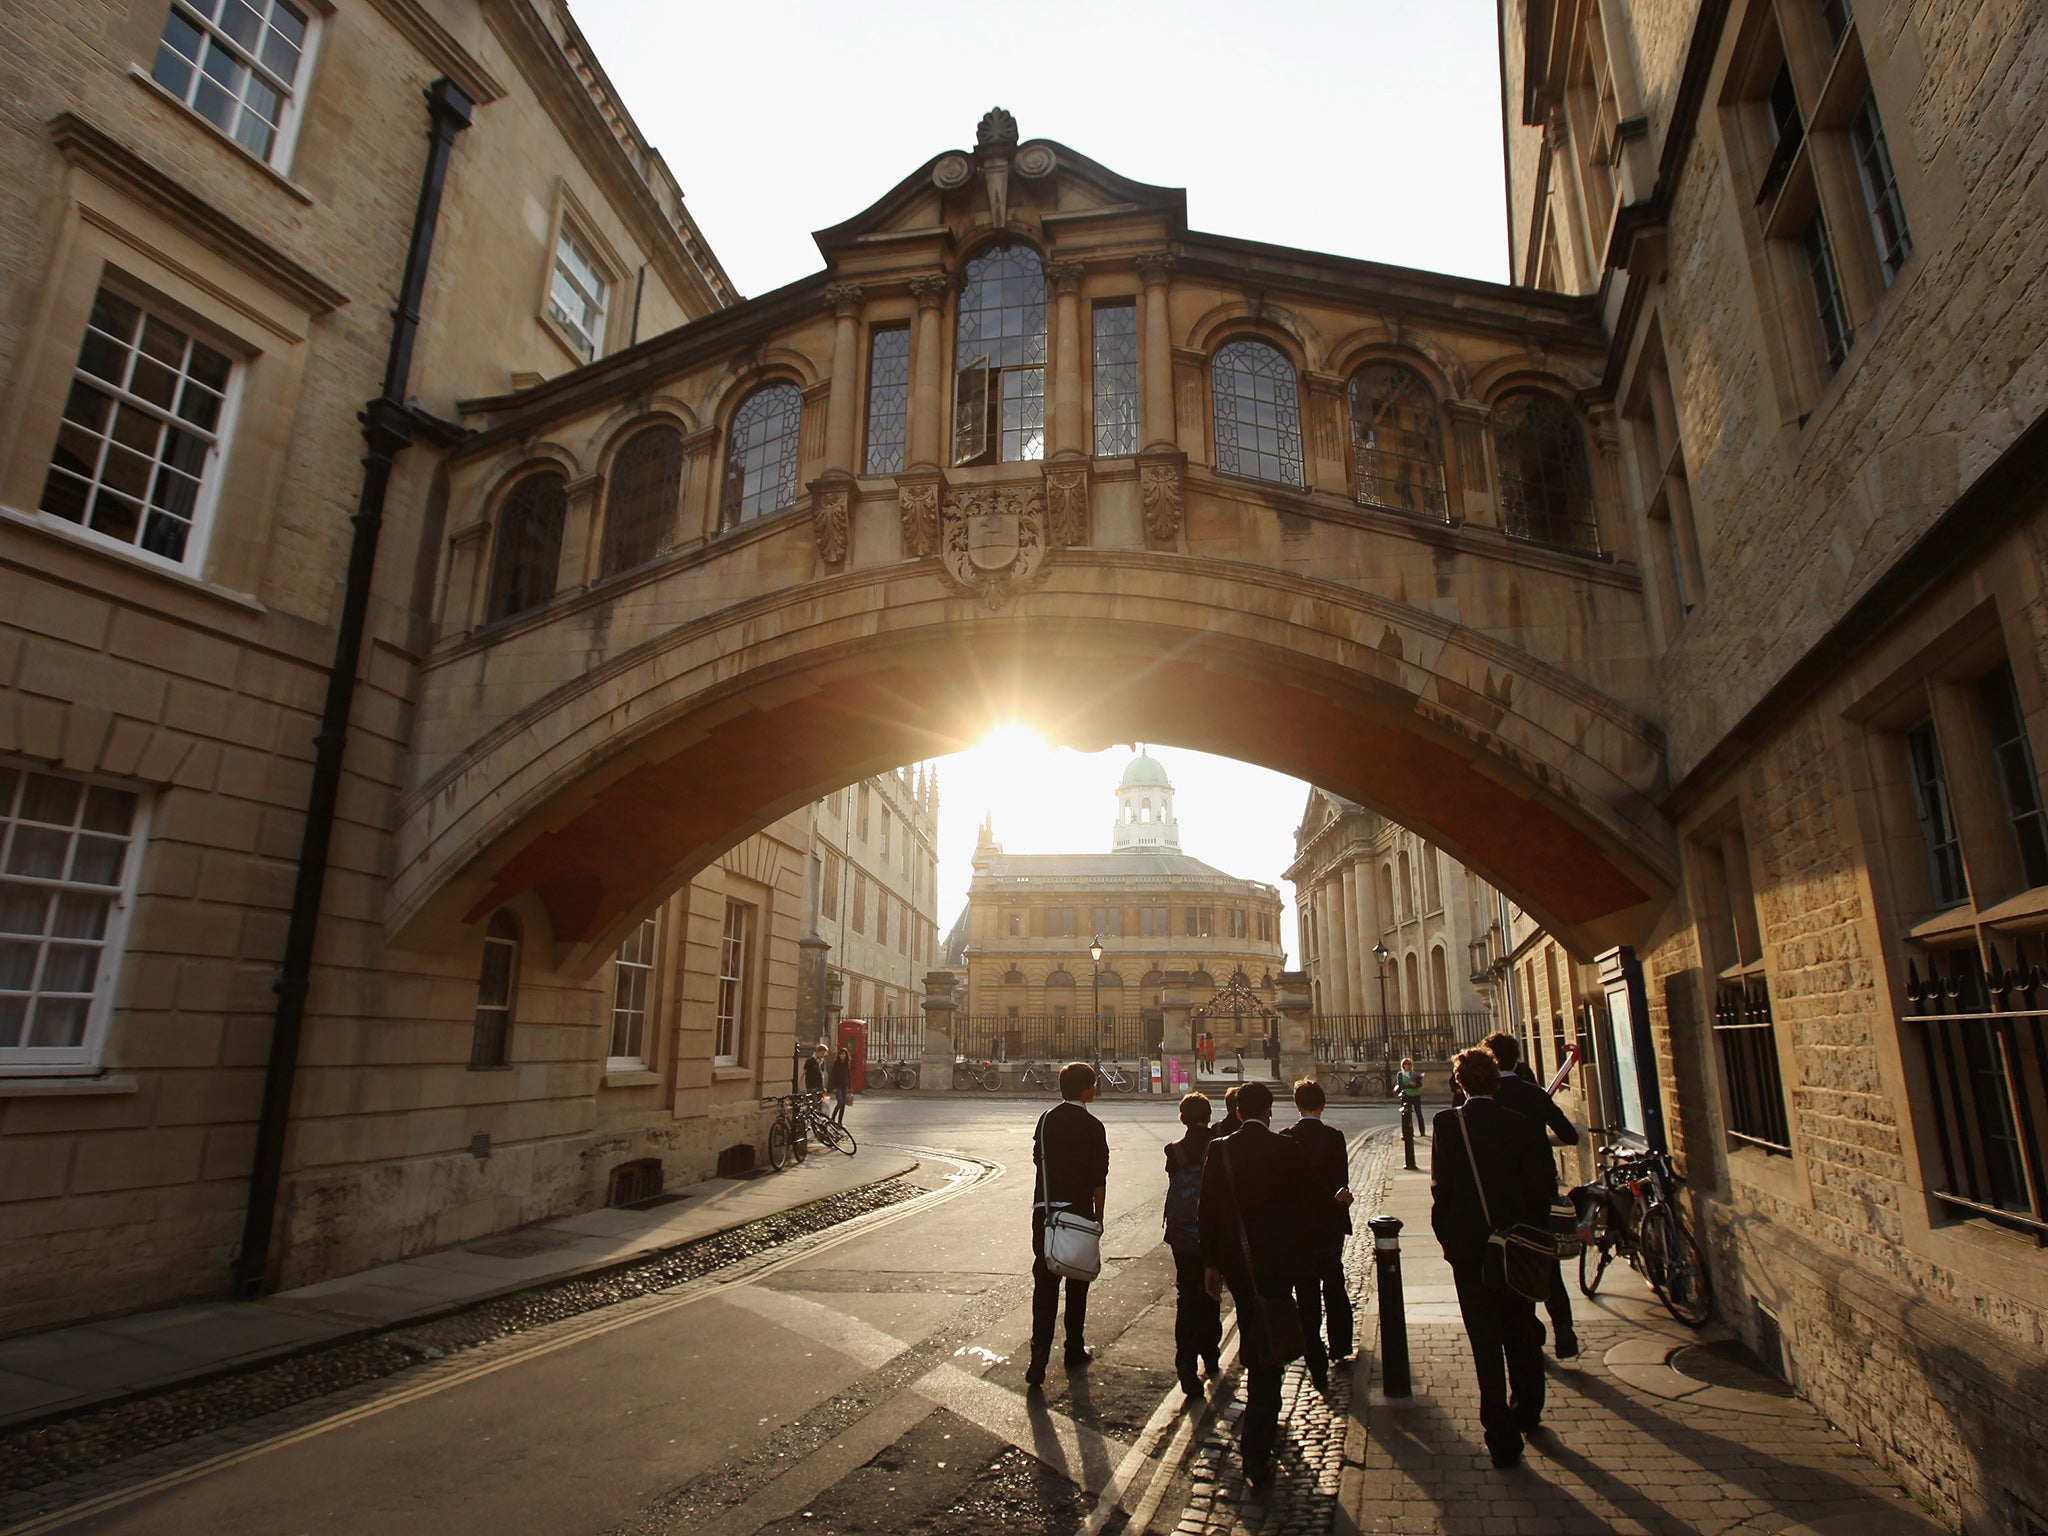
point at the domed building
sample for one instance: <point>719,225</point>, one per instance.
<point>1034,987</point>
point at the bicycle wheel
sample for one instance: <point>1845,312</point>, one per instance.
<point>799,1139</point>
<point>1674,1268</point>
<point>1598,1251</point>
<point>778,1144</point>
<point>992,1079</point>
<point>906,1077</point>
<point>961,1077</point>
<point>836,1136</point>
<point>1126,1082</point>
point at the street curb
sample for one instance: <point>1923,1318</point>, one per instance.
<point>256,1360</point>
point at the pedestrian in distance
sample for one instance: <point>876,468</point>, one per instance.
<point>1526,1098</point>
<point>1491,1168</point>
<point>840,1081</point>
<point>1197,1319</point>
<point>1408,1089</point>
<point>1320,1294</point>
<point>1230,1121</point>
<point>814,1073</point>
<point>1071,1151</point>
<point>1258,1202</point>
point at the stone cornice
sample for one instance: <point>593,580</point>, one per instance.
<point>442,49</point>
<point>84,144</point>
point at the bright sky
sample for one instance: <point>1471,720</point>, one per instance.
<point>1368,128</point>
<point>1055,800</point>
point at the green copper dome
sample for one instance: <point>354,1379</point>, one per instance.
<point>1144,772</point>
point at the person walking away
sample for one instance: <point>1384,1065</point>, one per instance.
<point>1258,1200</point>
<point>1320,1294</point>
<point>1526,1098</point>
<point>1072,1150</point>
<point>1408,1089</point>
<point>1509,1160</point>
<point>1197,1319</point>
<point>840,1081</point>
<point>1230,1121</point>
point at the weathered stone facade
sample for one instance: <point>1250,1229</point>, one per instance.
<point>1826,309</point>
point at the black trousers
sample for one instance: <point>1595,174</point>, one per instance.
<point>1197,1316</point>
<point>1045,1300</point>
<point>1507,1351</point>
<point>1259,1427</point>
<point>1559,1306</point>
<point>1321,1297</point>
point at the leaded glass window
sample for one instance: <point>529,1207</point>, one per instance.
<point>1837,336</point>
<point>640,505</point>
<point>1258,413</point>
<point>490,1037</point>
<point>1396,441</point>
<point>1546,486</point>
<point>760,460</point>
<point>141,428</point>
<point>235,63</point>
<point>1937,817</point>
<point>1116,379</point>
<point>999,358</point>
<point>527,556</point>
<point>888,399</point>
<point>1880,189</point>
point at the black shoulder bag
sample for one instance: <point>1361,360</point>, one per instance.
<point>1519,1257</point>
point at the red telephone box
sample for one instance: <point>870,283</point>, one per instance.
<point>853,1035</point>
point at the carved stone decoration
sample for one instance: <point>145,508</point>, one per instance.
<point>930,289</point>
<point>1066,505</point>
<point>992,542</point>
<point>1155,267</point>
<point>1035,160</point>
<point>1065,276</point>
<point>831,519</point>
<point>843,299</point>
<point>995,141</point>
<point>1159,499</point>
<point>951,172</point>
<point>997,132</point>
<point>918,501</point>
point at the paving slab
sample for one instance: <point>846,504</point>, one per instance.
<point>73,1369</point>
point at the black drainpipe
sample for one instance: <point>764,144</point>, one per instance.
<point>387,432</point>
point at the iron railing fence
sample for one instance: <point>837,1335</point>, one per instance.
<point>1753,1105</point>
<point>896,1037</point>
<point>1382,1039</point>
<point>1983,1027</point>
<point>1051,1037</point>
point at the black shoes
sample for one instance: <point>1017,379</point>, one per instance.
<point>1034,1373</point>
<point>1212,1365</point>
<point>1258,1473</point>
<point>1190,1383</point>
<point>1567,1346</point>
<point>1078,1358</point>
<point>1320,1375</point>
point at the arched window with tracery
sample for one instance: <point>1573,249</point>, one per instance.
<point>1546,485</point>
<point>1397,441</point>
<point>490,1040</point>
<point>1258,413</point>
<point>526,555</point>
<point>999,358</point>
<point>640,504</point>
<point>760,454</point>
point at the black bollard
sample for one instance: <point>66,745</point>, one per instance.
<point>1386,1254</point>
<point>1409,1114</point>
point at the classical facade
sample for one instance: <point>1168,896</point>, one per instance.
<point>1032,982</point>
<point>1814,235</point>
<point>1387,921</point>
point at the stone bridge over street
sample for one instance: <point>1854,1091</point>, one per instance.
<point>1030,448</point>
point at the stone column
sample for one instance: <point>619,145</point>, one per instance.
<point>1337,994</point>
<point>1155,400</point>
<point>1067,417</point>
<point>844,300</point>
<point>936,1070</point>
<point>1355,932</point>
<point>1175,1002</point>
<point>1467,451</point>
<point>579,534</point>
<point>1297,1051</point>
<point>929,372</point>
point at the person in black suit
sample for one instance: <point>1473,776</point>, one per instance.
<point>1072,1148</point>
<point>1513,1167</point>
<point>1526,1098</point>
<point>1321,1293</point>
<point>1258,1209</point>
<point>1231,1120</point>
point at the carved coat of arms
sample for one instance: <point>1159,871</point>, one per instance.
<point>993,540</point>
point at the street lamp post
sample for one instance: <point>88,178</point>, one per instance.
<point>1381,954</point>
<point>1095,984</point>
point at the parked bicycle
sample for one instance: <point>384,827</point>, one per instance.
<point>901,1074</point>
<point>832,1133</point>
<point>1114,1078</point>
<point>1632,1208</point>
<point>1362,1081</point>
<point>1039,1076</point>
<point>788,1134</point>
<point>977,1074</point>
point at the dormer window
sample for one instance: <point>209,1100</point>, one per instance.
<point>999,359</point>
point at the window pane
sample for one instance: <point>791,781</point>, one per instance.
<point>1937,820</point>
<point>1116,379</point>
<point>1258,413</point>
<point>640,507</point>
<point>761,458</point>
<point>528,553</point>
<point>1880,189</point>
<point>1836,334</point>
<point>1546,486</point>
<point>1396,442</point>
<point>1002,320</point>
<point>888,399</point>
<point>2016,775</point>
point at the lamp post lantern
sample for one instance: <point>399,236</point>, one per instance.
<point>1095,985</point>
<point>1381,954</point>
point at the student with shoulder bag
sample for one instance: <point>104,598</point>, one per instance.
<point>1071,1151</point>
<point>1197,1319</point>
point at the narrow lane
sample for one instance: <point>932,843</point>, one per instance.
<point>875,1380</point>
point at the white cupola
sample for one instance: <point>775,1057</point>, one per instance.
<point>1144,809</point>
